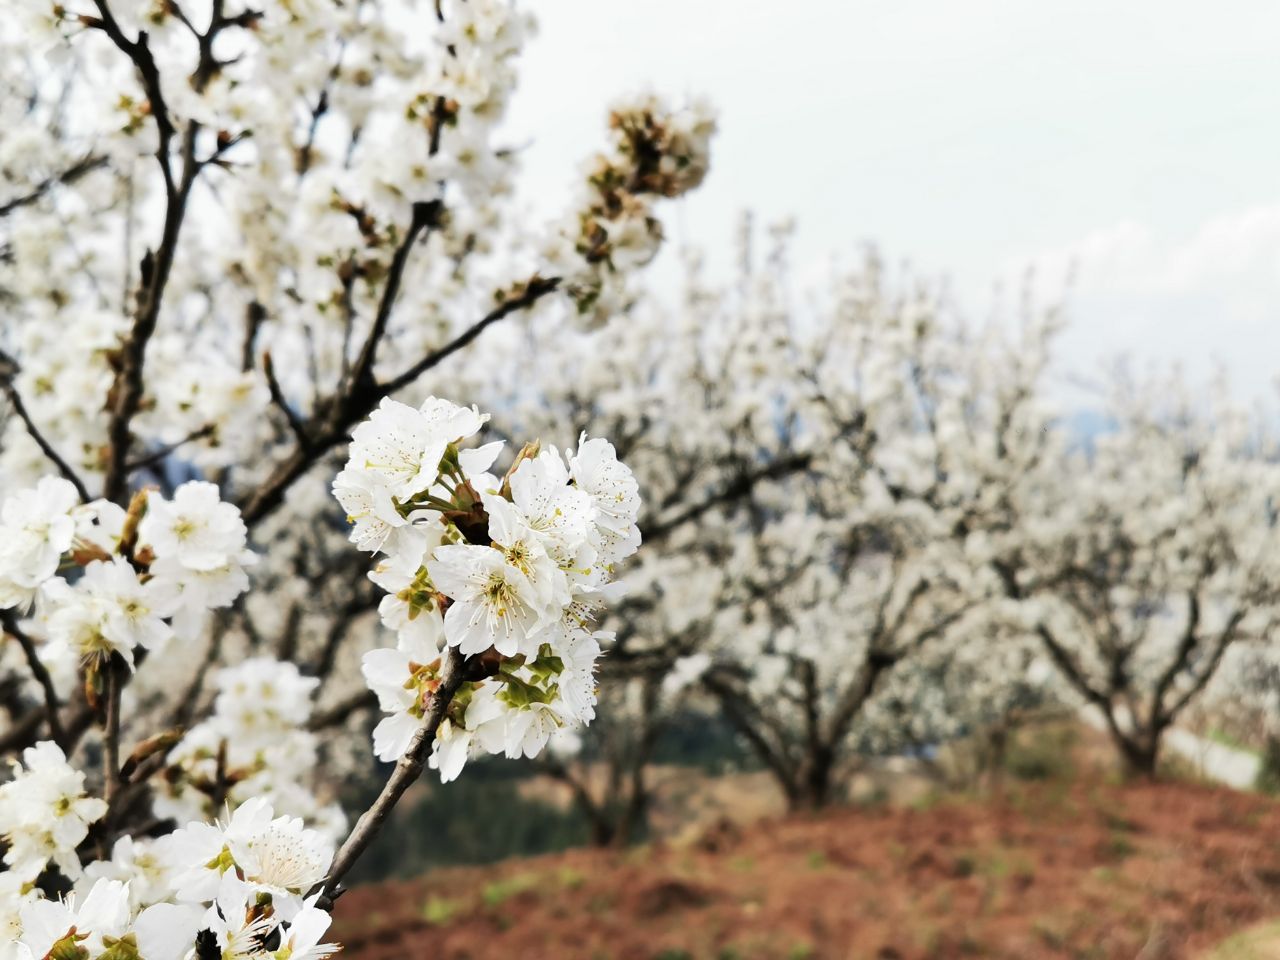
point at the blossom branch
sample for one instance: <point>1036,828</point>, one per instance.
<point>426,216</point>
<point>346,409</point>
<point>339,712</point>
<point>533,290</point>
<point>68,176</point>
<point>738,488</point>
<point>408,768</point>
<point>296,425</point>
<point>111,732</point>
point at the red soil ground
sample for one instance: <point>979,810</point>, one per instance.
<point>1084,869</point>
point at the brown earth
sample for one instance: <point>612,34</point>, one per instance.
<point>1086,869</point>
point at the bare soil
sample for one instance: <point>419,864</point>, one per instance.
<point>1087,869</point>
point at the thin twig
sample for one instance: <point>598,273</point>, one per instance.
<point>111,732</point>
<point>534,290</point>
<point>339,712</point>
<point>426,216</point>
<point>278,398</point>
<point>408,768</point>
<point>70,175</point>
<point>151,459</point>
<point>348,409</point>
<point>739,488</point>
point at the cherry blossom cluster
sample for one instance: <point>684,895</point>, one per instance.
<point>508,572</point>
<point>139,575</point>
<point>229,886</point>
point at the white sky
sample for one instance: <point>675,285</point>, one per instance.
<point>972,137</point>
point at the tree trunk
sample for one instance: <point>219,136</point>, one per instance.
<point>1139,753</point>
<point>812,789</point>
<point>997,751</point>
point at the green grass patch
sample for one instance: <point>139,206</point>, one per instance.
<point>438,911</point>
<point>500,891</point>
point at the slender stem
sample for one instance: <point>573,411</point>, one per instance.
<point>111,732</point>
<point>426,215</point>
<point>408,769</point>
<point>8,370</point>
<point>70,175</point>
<point>350,407</point>
<point>151,459</point>
<point>278,398</point>
<point>534,291</point>
<point>339,712</point>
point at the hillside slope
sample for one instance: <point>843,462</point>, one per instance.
<point>1084,869</point>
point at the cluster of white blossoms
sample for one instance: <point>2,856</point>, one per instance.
<point>102,582</point>
<point>509,572</point>
<point>228,888</point>
<point>45,814</point>
<point>104,585</point>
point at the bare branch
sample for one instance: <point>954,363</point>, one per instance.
<point>278,398</point>
<point>739,488</point>
<point>339,712</point>
<point>156,456</point>
<point>534,290</point>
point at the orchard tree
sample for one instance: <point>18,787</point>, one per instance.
<point>235,239</point>
<point>812,468</point>
<point>961,702</point>
<point>1141,556</point>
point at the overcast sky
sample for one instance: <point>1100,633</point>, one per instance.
<point>971,137</point>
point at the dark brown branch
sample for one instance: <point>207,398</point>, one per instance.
<point>345,410</point>
<point>426,216</point>
<point>339,712</point>
<point>533,291</point>
<point>1186,646</point>
<point>740,487</point>
<point>408,768</point>
<point>297,427</point>
<point>23,733</point>
<point>751,723</point>
<point>111,730</point>
<point>70,175</point>
<point>126,392</point>
<point>255,315</point>
<point>156,456</point>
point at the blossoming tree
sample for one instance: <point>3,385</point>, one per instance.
<point>805,540</point>
<point>236,237</point>
<point>1140,558</point>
